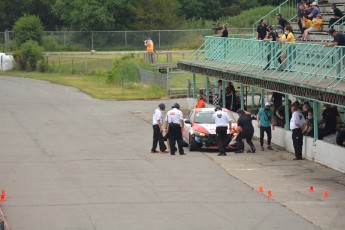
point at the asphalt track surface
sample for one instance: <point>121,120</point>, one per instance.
<point>69,161</point>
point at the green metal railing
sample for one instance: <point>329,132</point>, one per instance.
<point>339,24</point>
<point>287,9</point>
<point>305,63</point>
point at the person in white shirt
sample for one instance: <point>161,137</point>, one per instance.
<point>174,124</point>
<point>222,121</point>
<point>157,124</point>
<point>296,125</point>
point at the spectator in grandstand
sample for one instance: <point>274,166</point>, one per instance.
<point>224,33</point>
<point>314,27</point>
<point>330,118</point>
<point>300,15</point>
<point>287,37</point>
<point>305,109</point>
<point>337,15</point>
<point>315,10</point>
<point>272,37</point>
<point>281,21</point>
<point>306,23</point>
<point>200,102</point>
<point>309,124</point>
<point>339,39</point>
<point>230,95</point>
<point>261,30</point>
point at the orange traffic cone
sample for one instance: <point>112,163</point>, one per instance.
<point>260,189</point>
<point>311,189</point>
<point>3,196</point>
<point>325,193</point>
<point>269,194</point>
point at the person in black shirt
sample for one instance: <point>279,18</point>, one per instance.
<point>281,21</point>
<point>245,131</point>
<point>337,15</point>
<point>224,33</point>
<point>330,117</point>
<point>271,37</point>
<point>339,39</point>
<point>230,94</point>
<point>280,113</point>
<point>261,30</point>
<point>277,99</point>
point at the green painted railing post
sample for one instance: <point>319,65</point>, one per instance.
<point>287,113</point>
<point>194,86</point>
<point>207,90</point>
<point>262,98</point>
<point>223,94</point>
<point>316,120</point>
<point>242,96</point>
<point>253,99</point>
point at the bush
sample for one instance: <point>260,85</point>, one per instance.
<point>26,28</point>
<point>30,53</point>
<point>125,70</point>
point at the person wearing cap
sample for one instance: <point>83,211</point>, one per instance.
<point>314,27</point>
<point>281,21</point>
<point>337,15</point>
<point>315,11</point>
<point>245,131</point>
<point>223,123</point>
<point>271,37</point>
<point>149,49</point>
<point>265,121</point>
<point>296,125</point>
<point>339,39</point>
<point>157,124</point>
<point>174,124</point>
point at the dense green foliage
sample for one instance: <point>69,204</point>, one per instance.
<point>101,15</point>
<point>29,54</point>
<point>26,28</point>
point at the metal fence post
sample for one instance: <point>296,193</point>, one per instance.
<point>253,99</point>
<point>125,38</point>
<point>287,114</point>
<point>159,39</point>
<point>168,82</point>
<point>242,96</point>
<point>92,41</point>
<point>223,94</point>
<point>316,123</point>
<point>194,86</point>
<point>262,98</point>
<point>188,88</point>
<point>207,90</point>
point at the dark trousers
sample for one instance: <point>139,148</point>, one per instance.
<point>175,135</point>
<point>158,137</point>
<point>221,138</point>
<point>245,135</point>
<point>268,130</point>
<point>333,20</point>
<point>323,133</point>
<point>297,139</point>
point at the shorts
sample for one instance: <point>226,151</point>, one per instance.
<point>312,29</point>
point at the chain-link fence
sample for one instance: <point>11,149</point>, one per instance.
<point>124,40</point>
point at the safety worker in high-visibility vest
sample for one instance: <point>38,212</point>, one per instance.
<point>149,49</point>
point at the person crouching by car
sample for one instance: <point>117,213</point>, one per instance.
<point>245,131</point>
<point>174,119</point>
<point>222,120</point>
<point>157,124</point>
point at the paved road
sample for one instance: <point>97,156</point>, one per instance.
<point>72,162</point>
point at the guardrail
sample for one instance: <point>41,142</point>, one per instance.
<point>339,24</point>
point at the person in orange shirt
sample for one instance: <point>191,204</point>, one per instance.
<point>149,49</point>
<point>200,102</point>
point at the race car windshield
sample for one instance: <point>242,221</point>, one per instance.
<point>204,117</point>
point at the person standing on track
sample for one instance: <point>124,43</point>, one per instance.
<point>265,121</point>
<point>296,126</point>
<point>222,120</point>
<point>157,123</point>
<point>174,119</point>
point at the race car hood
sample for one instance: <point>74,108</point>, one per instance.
<point>204,128</point>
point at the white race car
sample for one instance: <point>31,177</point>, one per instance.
<point>200,130</point>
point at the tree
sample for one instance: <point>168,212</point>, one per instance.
<point>26,28</point>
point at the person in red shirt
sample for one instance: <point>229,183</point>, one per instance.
<point>200,102</point>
